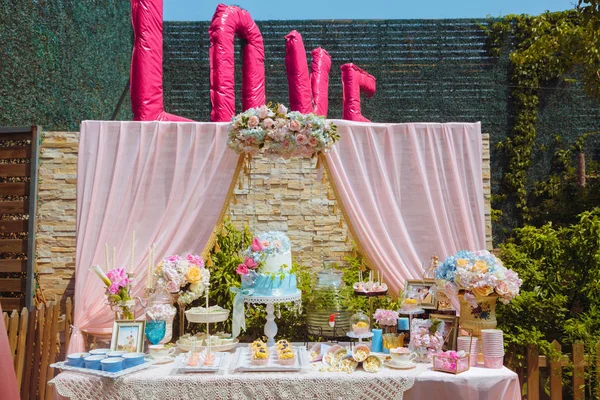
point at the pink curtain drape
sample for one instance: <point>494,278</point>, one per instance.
<point>166,181</point>
<point>8,379</point>
<point>410,191</point>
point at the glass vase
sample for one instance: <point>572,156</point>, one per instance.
<point>124,310</point>
<point>160,308</point>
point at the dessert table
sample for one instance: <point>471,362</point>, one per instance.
<point>158,382</point>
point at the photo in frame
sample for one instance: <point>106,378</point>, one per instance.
<point>128,336</point>
<point>443,302</point>
<point>450,330</point>
<point>422,291</point>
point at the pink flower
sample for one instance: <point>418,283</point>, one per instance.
<point>294,125</point>
<point>256,245</point>
<point>250,263</point>
<point>113,288</point>
<point>301,139</point>
<point>313,141</point>
<point>263,112</point>
<point>282,109</point>
<point>172,287</point>
<point>277,244</point>
<point>279,136</point>
<point>174,258</point>
<point>268,123</point>
<point>253,121</point>
<point>170,274</point>
<point>242,269</point>
<point>286,143</point>
<point>195,259</point>
<point>265,243</point>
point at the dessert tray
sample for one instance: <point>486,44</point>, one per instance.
<point>241,362</point>
<point>203,315</point>
<point>181,366</point>
<point>186,346</point>
<point>63,366</point>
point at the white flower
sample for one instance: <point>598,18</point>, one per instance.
<point>263,112</point>
<point>282,109</point>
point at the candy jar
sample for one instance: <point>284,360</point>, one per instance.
<point>160,307</point>
<point>360,323</point>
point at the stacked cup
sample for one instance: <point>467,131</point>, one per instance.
<point>492,348</point>
<point>468,344</point>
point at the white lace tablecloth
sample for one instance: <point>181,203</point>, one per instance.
<point>157,382</point>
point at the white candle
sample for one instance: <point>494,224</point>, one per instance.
<point>153,262</point>
<point>132,252</point>
<point>114,265</point>
<point>107,264</point>
<point>149,276</point>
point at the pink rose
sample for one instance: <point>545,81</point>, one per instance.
<point>282,109</point>
<point>256,245</point>
<point>277,244</point>
<point>294,125</point>
<point>268,123</point>
<point>250,263</point>
<point>242,269</point>
<point>263,112</point>
<point>301,139</point>
<point>174,258</point>
<point>502,288</point>
<point>313,141</point>
<point>172,287</point>
<point>253,121</point>
<point>195,259</point>
<point>265,243</point>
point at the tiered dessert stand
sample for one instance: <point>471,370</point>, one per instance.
<point>270,301</point>
<point>410,313</point>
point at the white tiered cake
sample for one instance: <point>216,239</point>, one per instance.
<point>272,251</point>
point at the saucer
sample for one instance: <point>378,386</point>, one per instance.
<point>165,360</point>
<point>408,365</point>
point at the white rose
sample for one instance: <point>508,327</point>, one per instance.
<point>282,109</point>
<point>263,112</point>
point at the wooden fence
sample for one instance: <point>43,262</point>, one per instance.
<point>578,361</point>
<point>18,195</point>
<point>34,339</point>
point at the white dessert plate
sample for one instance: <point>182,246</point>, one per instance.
<point>215,347</point>
<point>393,365</point>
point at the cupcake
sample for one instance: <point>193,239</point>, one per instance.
<point>360,328</point>
<point>409,304</point>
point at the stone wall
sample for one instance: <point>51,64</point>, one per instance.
<point>291,197</point>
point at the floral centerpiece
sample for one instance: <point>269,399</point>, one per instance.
<point>479,279</point>
<point>262,246</point>
<point>276,131</point>
<point>426,338</point>
<point>386,318</point>
<point>118,290</point>
<point>185,276</point>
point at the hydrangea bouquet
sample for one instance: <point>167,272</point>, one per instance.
<point>386,317</point>
<point>477,274</point>
<point>184,275</point>
<point>278,132</point>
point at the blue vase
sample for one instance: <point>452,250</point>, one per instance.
<point>155,331</point>
<point>377,341</point>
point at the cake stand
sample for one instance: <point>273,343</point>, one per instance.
<point>359,336</point>
<point>370,296</point>
<point>270,301</point>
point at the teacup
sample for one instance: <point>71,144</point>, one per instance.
<point>402,355</point>
<point>77,359</point>
<point>132,359</point>
<point>159,351</point>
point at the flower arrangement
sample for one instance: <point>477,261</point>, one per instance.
<point>184,275</point>
<point>118,287</point>
<point>278,132</point>
<point>477,274</point>
<point>386,317</point>
<point>262,246</point>
<point>426,338</point>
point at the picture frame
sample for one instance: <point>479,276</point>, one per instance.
<point>443,302</point>
<point>450,329</point>
<point>128,336</point>
<point>421,290</point>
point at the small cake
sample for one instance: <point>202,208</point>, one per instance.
<point>286,356</point>
<point>409,304</point>
<point>260,354</point>
<point>360,328</point>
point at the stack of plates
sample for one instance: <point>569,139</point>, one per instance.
<point>468,344</point>
<point>492,347</point>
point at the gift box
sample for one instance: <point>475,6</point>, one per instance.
<point>451,363</point>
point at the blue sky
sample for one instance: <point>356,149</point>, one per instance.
<point>202,10</point>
